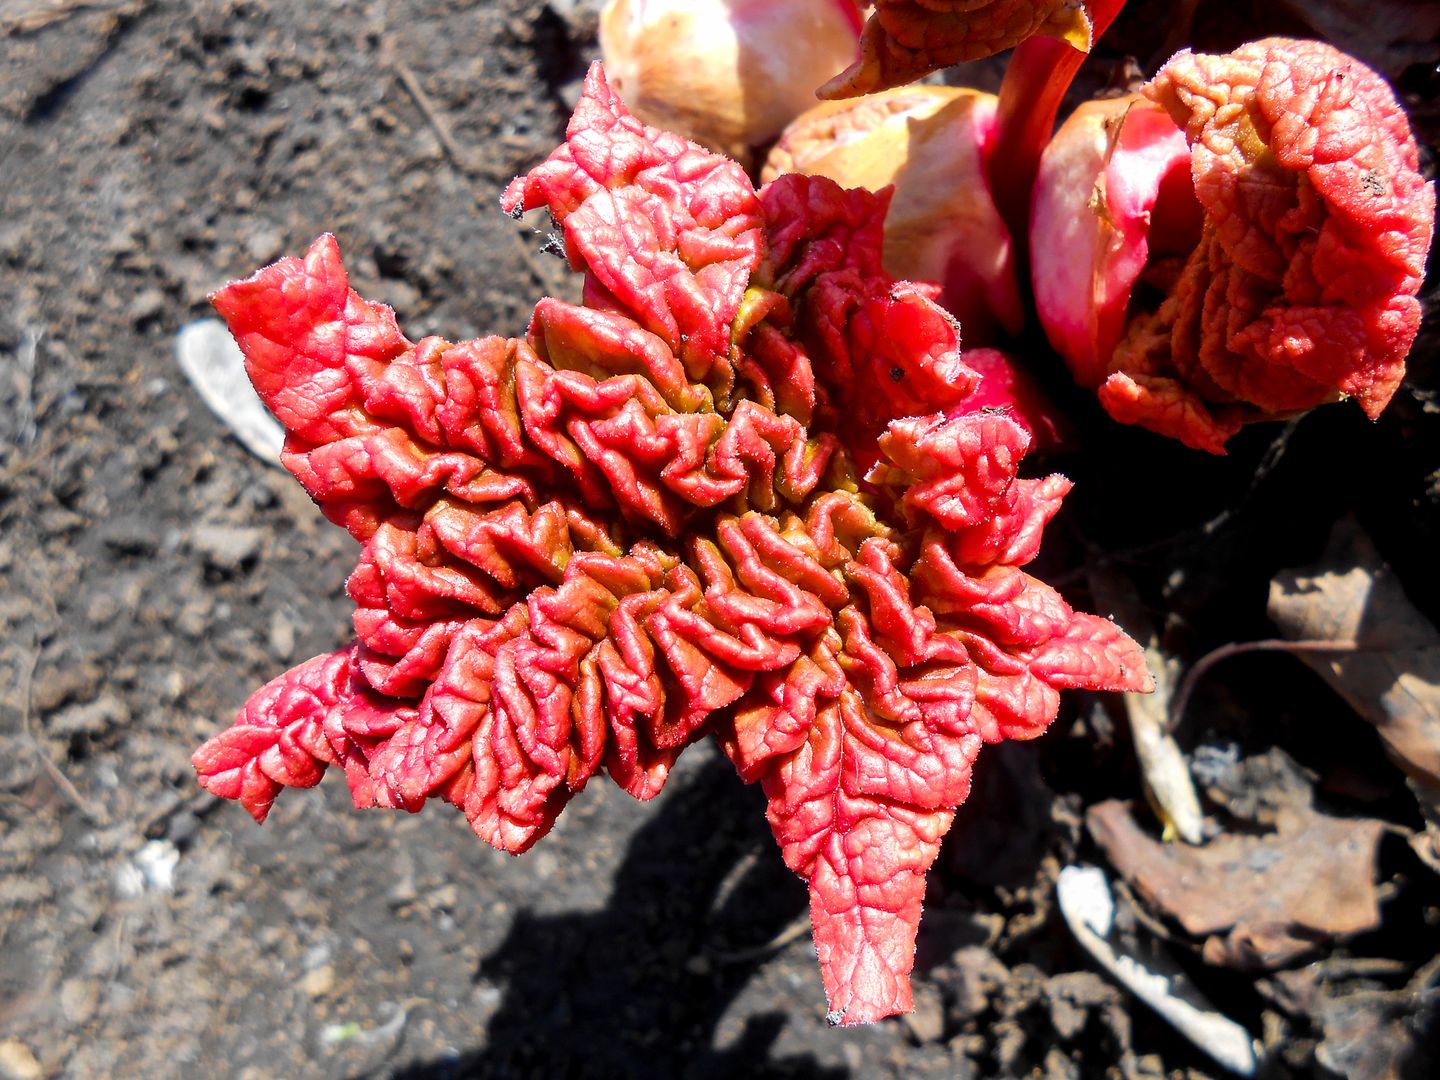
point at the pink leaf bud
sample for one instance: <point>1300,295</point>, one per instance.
<point>728,74</point>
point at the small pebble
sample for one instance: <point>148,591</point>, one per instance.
<point>17,1062</point>
<point>79,998</point>
<point>927,1022</point>
<point>226,548</point>
<point>319,982</point>
<point>282,636</point>
<point>147,305</point>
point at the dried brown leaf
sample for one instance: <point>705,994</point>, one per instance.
<point>1392,678</point>
<point>1258,901</point>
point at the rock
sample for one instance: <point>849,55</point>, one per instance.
<point>927,1022</point>
<point>319,982</point>
<point>282,636</point>
<point>1058,1065</point>
<point>182,827</point>
<point>147,305</point>
<point>63,683</point>
<point>226,548</point>
<point>445,898</point>
<point>157,861</point>
<point>17,1062</point>
<point>130,535</point>
<point>91,718</point>
<point>79,998</point>
<point>1072,996</point>
<point>265,243</point>
<point>979,975</point>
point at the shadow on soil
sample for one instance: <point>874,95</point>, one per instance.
<point>641,987</point>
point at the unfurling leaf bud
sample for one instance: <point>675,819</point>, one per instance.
<point>728,74</point>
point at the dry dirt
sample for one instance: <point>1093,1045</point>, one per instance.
<point>152,573</point>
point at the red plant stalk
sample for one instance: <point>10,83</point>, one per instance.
<point>1038,75</point>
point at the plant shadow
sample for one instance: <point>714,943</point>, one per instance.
<point>640,988</point>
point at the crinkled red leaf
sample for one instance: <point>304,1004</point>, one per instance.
<point>881,349</point>
<point>865,746</point>
<point>1007,386</point>
<point>932,143</point>
<point>668,231</point>
<point>905,40</point>
<point>1302,286</point>
<point>280,739</point>
<point>585,549</point>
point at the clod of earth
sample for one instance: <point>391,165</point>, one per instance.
<point>701,504</point>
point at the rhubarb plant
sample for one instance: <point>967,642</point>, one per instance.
<point>740,493</point>
<point>1242,241</point>
<point>932,144</point>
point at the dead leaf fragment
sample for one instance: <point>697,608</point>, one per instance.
<point>905,40</point>
<point>1260,789</point>
<point>1371,1030</point>
<point>1392,678</point>
<point>1372,1036</point>
<point>1258,901</point>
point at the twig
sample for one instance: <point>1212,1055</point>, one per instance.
<point>1238,648</point>
<point>1346,967</point>
<point>25,411</point>
<point>95,816</point>
<point>734,876</point>
<point>432,117</point>
<point>24,465</point>
<point>797,929</point>
<point>45,15</point>
<point>115,961</point>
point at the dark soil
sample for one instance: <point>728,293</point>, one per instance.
<point>152,573</point>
